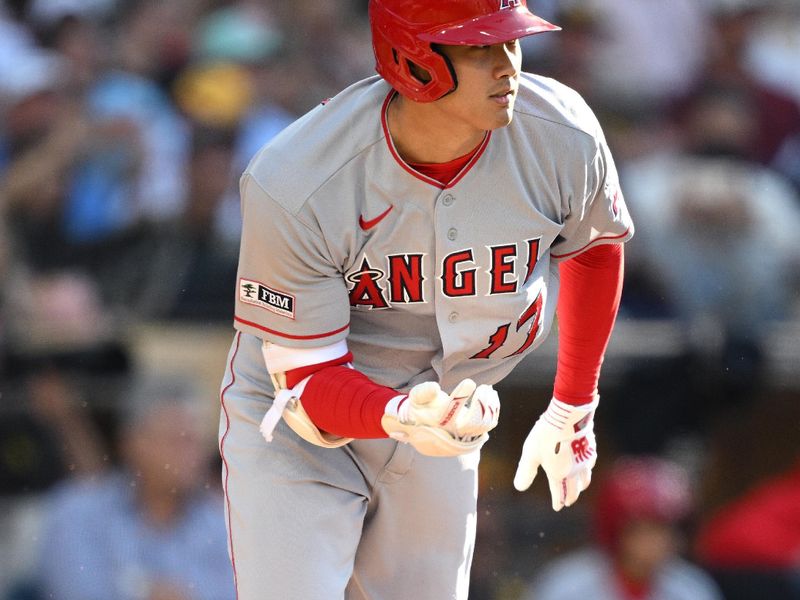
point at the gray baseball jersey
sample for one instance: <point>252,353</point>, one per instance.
<point>343,240</point>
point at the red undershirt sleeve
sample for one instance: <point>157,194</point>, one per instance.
<point>591,287</point>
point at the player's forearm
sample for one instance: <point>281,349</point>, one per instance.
<point>345,402</point>
<point>336,398</point>
<point>591,287</point>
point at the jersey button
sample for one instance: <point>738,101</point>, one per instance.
<point>448,200</point>
<point>452,234</point>
<point>452,317</point>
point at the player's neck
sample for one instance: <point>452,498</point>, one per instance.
<point>422,133</point>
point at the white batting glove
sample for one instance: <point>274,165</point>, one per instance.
<point>562,443</point>
<point>438,424</point>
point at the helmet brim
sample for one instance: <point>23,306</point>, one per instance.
<point>496,28</point>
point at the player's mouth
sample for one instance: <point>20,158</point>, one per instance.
<point>504,97</point>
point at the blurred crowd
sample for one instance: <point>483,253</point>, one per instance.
<point>124,125</point>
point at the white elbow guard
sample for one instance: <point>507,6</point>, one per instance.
<point>287,405</point>
<point>287,401</point>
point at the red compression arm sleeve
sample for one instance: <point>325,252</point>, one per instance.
<point>591,287</point>
<point>345,402</point>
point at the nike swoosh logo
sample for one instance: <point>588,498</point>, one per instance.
<point>367,225</point>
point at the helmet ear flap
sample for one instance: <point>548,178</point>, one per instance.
<point>394,63</point>
<point>423,75</point>
<point>448,63</point>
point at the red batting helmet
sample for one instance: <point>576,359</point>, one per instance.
<point>640,488</point>
<point>403,31</point>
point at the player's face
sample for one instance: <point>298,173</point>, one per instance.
<point>487,83</point>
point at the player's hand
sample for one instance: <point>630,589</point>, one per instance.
<point>562,442</point>
<point>438,424</point>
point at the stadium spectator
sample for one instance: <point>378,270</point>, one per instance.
<point>704,209</point>
<point>748,535</point>
<point>775,136</point>
<point>638,512</point>
<point>150,530</point>
<point>644,53</point>
<point>192,258</point>
<point>752,545</point>
<point>118,185</point>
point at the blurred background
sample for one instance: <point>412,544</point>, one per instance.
<point>124,127</point>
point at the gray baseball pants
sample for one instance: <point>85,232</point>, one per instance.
<point>372,520</point>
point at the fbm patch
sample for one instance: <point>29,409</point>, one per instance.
<point>258,294</point>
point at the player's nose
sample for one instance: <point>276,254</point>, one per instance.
<point>507,60</point>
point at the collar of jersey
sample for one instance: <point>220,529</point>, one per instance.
<point>409,168</point>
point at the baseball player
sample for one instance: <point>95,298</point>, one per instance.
<point>402,250</point>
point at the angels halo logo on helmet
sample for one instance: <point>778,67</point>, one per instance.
<point>403,32</point>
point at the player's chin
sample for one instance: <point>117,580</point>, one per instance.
<point>501,118</point>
